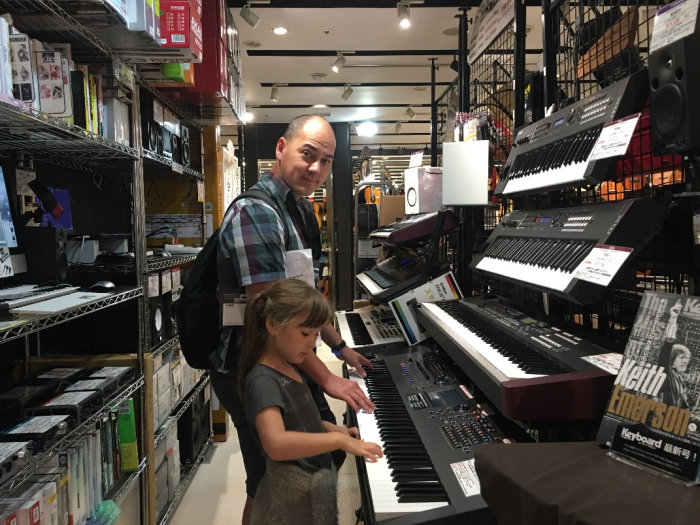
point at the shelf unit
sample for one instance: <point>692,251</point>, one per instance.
<point>53,141</point>
<point>69,439</point>
<point>186,477</point>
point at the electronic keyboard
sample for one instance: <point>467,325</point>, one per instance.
<point>554,152</point>
<point>542,249</point>
<point>429,425</point>
<point>527,368</point>
<point>369,328</point>
<point>413,229</point>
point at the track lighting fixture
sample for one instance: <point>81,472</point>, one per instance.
<point>274,93</point>
<point>397,128</point>
<point>404,12</point>
<point>409,111</point>
<point>251,18</point>
<point>347,92</point>
<point>338,64</point>
<point>454,65</point>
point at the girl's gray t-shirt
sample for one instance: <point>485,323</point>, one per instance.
<point>267,387</point>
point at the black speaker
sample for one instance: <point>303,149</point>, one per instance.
<point>169,315</point>
<point>189,431</point>
<point>156,320</point>
<point>45,251</point>
<point>674,79</point>
<point>167,139</point>
<point>151,123</point>
<point>175,148</point>
<point>185,144</point>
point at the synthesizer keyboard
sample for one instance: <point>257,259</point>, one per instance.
<point>393,276</point>
<point>413,229</point>
<point>428,425</point>
<point>542,249</point>
<point>554,152</point>
<point>369,328</point>
<point>527,368</point>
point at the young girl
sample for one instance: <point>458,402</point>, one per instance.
<point>299,485</point>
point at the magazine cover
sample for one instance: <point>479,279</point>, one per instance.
<point>654,406</point>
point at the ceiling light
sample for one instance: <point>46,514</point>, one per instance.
<point>347,92</point>
<point>397,128</point>
<point>339,63</point>
<point>250,17</point>
<point>404,15</point>
<point>280,31</point>
<point>366,129</point>
<point>318,106</point>
<point>249,116</point>
<point>319,77</point>
<point>274,93</point>
<point>409,111</point>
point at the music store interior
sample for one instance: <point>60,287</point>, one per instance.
<point>511,177</point>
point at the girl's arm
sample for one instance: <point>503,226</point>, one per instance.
<point>330,427</point>
<point>286,445</point>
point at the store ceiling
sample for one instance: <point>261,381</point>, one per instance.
<point>388,68</point>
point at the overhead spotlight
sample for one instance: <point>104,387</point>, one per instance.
<point>250,17</point>
<point>404,14</point>
<point>274,93</point>
<point>397,128</point>
<point>409,111</point>
<point>454,65</point>
<point>339,63</point>
<point>347,92</point>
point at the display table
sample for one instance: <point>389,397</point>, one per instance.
<point>577,483</point>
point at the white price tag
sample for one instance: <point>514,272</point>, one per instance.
<point>601,265</point>
<point>615,138</point>
<point>673,22</point>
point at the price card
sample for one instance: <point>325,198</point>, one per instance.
<point>615,138</point>
<point>673,22</point>
<point>416,159</point>
<point>601,265</point>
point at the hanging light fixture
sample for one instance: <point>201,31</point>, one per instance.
<point>454,65</point>
<point>347,92</point>
<point>409,111</point>
<point>397,128</point>
<point>339,63</point>
<point>404,12</point>
<point>274,93</point>
<point>251,18</point>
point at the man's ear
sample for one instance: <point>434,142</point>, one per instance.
<point>279,149</point>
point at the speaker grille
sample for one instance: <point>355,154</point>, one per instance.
<point>668,111</point>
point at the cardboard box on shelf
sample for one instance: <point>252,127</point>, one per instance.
<point>391,208</point>
<point>180,27</point>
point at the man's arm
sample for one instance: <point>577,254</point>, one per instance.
<point>331,337</point>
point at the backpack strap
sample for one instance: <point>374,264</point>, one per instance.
<point>261,195</point>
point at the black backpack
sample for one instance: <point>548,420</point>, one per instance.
<point>197,309</point>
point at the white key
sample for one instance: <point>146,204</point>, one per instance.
<point>485,355</point>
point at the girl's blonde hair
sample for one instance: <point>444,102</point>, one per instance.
<point>283,302</point>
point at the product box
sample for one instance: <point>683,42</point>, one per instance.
<point>214,20</point>
<point>443,288</point>
<point>127,437</point>
<point>181,27</point>
<point>391,209</point>
<point>211,76</point>
<point>423,189</point>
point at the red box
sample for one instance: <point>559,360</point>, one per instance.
<point>180,26</point>
<point>214,19</point>
<point>210,76</point>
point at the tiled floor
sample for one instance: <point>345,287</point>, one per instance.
<point>217,492</point>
